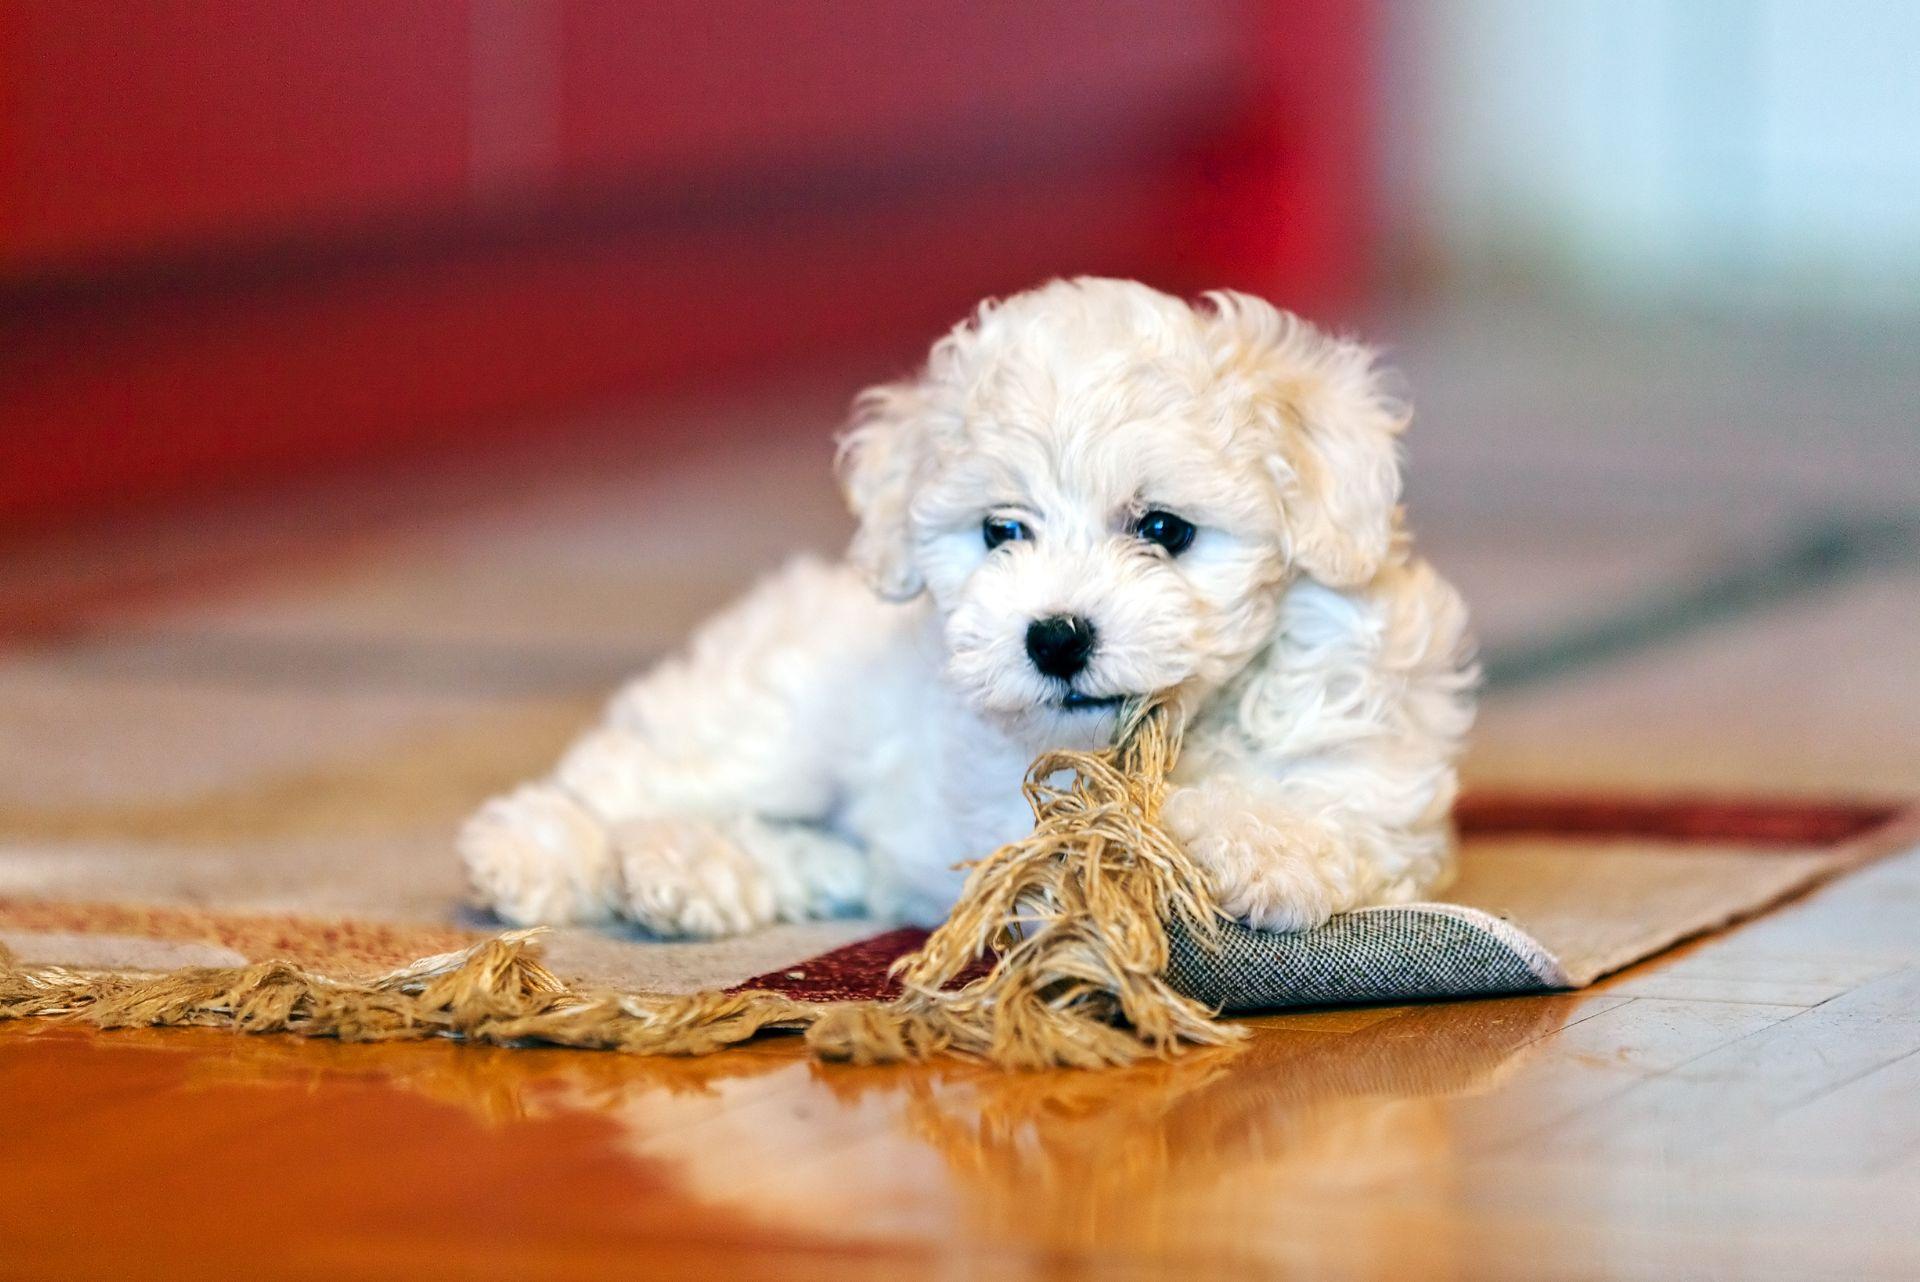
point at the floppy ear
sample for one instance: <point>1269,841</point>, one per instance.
<point>880,459</point>
<point>1330,431</point>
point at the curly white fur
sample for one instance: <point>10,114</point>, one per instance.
<point>845,735</point>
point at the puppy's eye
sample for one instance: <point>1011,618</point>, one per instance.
<point>1164,528</point>
<point>999,529</point>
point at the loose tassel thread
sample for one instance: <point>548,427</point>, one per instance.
<point>1076,914</point>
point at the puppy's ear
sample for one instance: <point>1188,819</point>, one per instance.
<point>1329,430</point>
<point>880,459</point>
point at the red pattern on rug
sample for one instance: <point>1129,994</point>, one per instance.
<point>855,972</point>
<point>1743,821</point>
<point>850,973</point>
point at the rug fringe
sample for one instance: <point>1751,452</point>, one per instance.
<point>495,992</point>
<point>1076,915</point>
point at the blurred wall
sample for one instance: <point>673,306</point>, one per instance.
<point>249,240</point>
<point>1754,154</point>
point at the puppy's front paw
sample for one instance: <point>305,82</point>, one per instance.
<point>812,872</point>
<point>689,878</point>
<point>536,857</point>
<point>1269,870</point>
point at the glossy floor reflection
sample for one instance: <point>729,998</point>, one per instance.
<point>1743,1108</point>
<point>595,1155</point>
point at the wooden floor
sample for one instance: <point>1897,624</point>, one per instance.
<point>1747,1107</point>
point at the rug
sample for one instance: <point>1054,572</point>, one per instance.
<point>1553,893</point>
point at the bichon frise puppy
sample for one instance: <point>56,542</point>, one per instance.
<point>1093,491</point>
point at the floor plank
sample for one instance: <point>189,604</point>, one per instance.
<point>1745,1083</point>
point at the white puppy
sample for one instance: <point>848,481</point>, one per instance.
<point>1093,491</point>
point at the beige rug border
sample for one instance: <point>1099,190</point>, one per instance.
<point>1897,836</point>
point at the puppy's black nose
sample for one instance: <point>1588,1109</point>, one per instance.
<point>1059,646</point>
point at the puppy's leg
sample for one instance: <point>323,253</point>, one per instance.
<point>536,856</point>
<point>701,878</point>
<point>1287,863</point>
<point>691,807</point>
<point>1325,782</point>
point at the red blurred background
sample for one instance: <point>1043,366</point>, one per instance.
<point>245,242</point>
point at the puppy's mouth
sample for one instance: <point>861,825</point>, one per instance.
<point>1075,701</point>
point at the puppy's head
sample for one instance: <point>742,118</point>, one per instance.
<point>1106,490</point>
